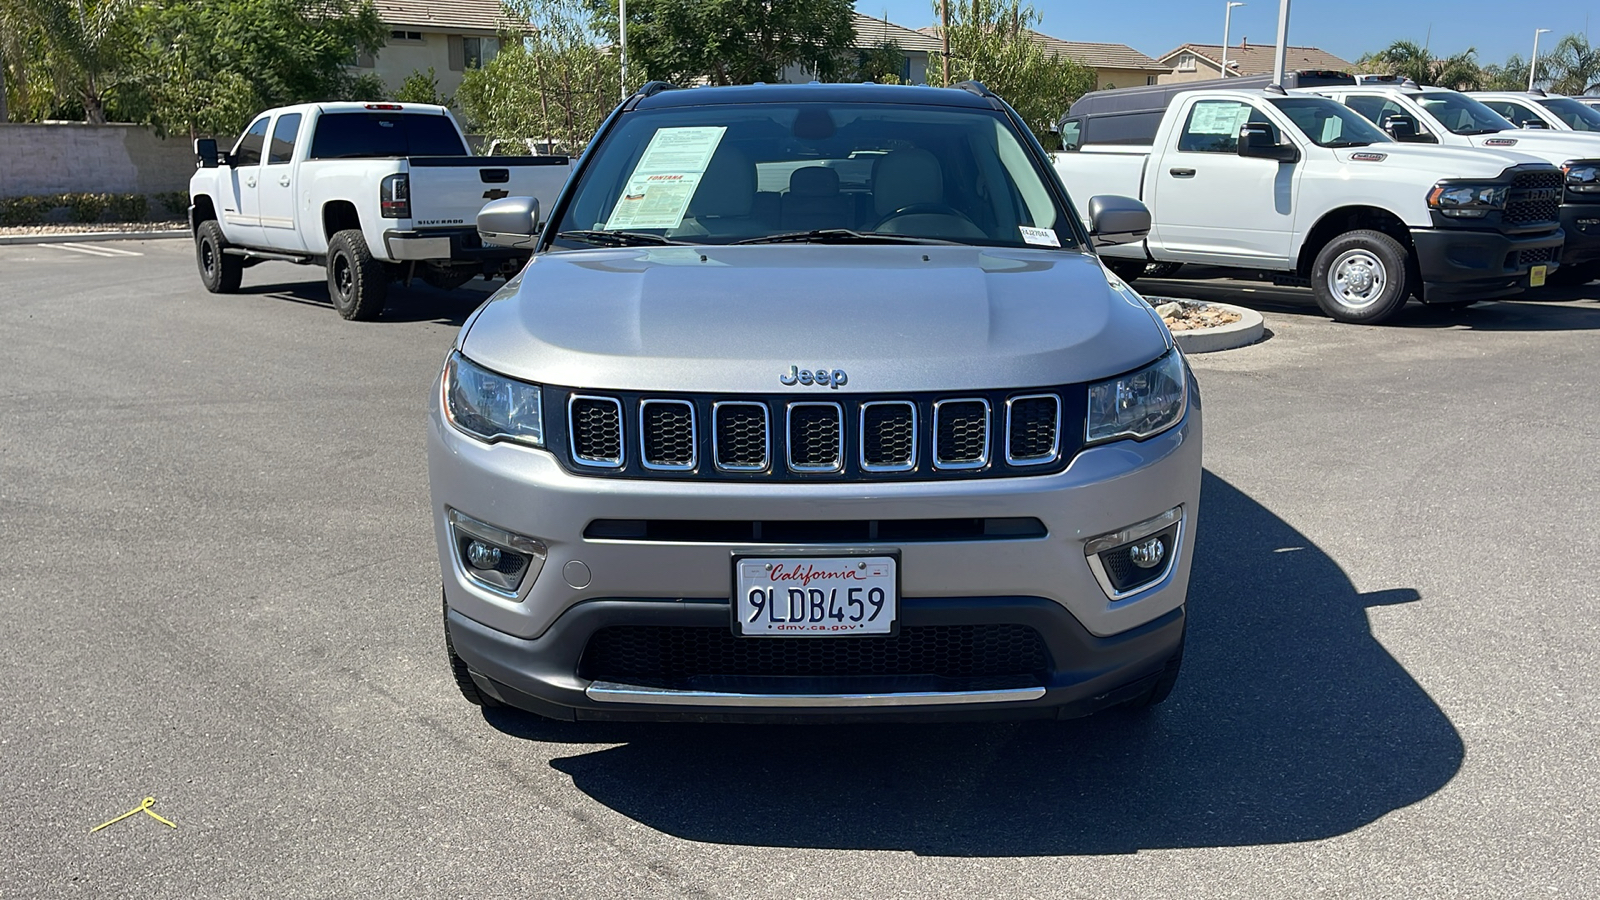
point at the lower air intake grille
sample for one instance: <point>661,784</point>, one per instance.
<point>596,424</point>
<point>647,654</point>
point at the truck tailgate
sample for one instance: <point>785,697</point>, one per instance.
<point>1104,169</point>
<point>448,191</point>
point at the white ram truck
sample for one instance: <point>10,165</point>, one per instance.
<point>1437,116</point>
<point>375,192</point>
<point>1300,186</point>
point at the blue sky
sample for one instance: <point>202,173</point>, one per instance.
<point>1345,28</point>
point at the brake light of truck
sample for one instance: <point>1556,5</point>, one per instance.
<point>394,197</point>
<point>384,106</point>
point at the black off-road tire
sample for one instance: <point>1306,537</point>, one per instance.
<point>1362,277</point>
<point>463,676</point>
<point>1126,269</point>
<point>357,283</point>
<point>220,272</point>
<point>448,279</point>
<point>1162,269</point>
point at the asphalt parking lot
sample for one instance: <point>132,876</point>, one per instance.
<point>220,586</point>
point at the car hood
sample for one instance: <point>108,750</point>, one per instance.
<point>895,318</point>
<point>1436,162</point>
<point>1550,146</point>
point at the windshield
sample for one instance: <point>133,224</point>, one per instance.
<point>1330,124</point>
<point>718,174</point>
<point>1462,114</point>
<point>1577,116</point>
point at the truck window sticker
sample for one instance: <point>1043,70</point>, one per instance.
<point>664,180</point>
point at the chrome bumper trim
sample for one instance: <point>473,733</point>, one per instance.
<point>612,692</point>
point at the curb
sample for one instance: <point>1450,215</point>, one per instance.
<point>1248,330</point>
<point>91,236</point>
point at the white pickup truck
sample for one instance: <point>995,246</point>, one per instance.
<point>376,192</point>
<point>1431,115</point>
<point>1298,185</point>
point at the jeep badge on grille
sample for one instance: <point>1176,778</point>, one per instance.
<point>820,377</point>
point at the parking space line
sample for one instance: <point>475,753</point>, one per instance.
<point>94,250</point>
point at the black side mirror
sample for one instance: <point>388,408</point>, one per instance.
<point>1403,129</point>
<point>509,222</point>
<point>205,153</point>
<point>1534,124</point>
<point>1256,142</point>
<point>1117,220</point>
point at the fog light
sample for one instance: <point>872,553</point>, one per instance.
<point>483,556</point>
<point>1147,554</point>
<point>494,558</point>
<point>1134,558</point>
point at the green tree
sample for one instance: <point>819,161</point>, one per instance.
<point>1460,71</point>
<point>1513,76</point>
<point>553,87</point>
<point>733,41</point>
<point>993,41</point>
<point>422,87</point>
<point>77,46</point>
<point>881,63</point>
<point>1572,66</point>
<point>207,66</point>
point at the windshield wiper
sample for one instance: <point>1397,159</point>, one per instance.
<point>843,235</point>
<point>617,238</point>
<point>1340,145</point>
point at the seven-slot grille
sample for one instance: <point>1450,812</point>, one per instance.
<point>849,437</point>
<point>1534,197</point>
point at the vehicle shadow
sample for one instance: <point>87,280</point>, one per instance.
<point>1290,723</point>
<point>418,303</point>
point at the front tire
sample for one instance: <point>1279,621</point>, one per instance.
<point>357,283</point>
<point>463,675</point>
<point>220,272</point>
<point>1164,683</point>
<point>1362,277</point>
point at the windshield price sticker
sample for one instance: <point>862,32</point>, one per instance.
<point>664,181</point>
<point>815,596</point>
<point>1039,237</point>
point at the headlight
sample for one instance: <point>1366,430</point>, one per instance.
<point>1467,201</point>
<point>1140,404</point>
<point>491,407</point>
<point>1583,178</point>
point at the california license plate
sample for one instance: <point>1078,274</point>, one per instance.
<point>1536,276</point>
<point>814,596</point>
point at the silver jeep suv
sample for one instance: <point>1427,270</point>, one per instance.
<point>814,402</point>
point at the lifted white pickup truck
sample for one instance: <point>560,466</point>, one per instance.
<point>373,191</point>
<point>1302,187</point>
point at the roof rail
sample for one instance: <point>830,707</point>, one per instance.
<point>982,90</point>
<point>649,89</point>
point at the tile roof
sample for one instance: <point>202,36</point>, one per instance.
<point>471,15</point>
<point>1257,59</point>
<point>871,32</point>
<point>1092,55</point>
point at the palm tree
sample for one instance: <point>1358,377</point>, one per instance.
<point>1412,60</point>
<point>73,43</point>
<point>1572,66</point>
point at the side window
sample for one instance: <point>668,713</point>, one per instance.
<point>1376,109</point>
<point>1213,126</point>
<point>283,134</point>
<point>248,153</point>
<point>1518,114</point>
<point>1070,138</point>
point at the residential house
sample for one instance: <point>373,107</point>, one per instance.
<point>1113,65</point>
<point>1199,62</point>
<point>450,36</point>
<point>871,33</point>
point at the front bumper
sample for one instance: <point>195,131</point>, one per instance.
<point>1464,264</point>
<point>445,245</point>
<point>527,647</point>
<point>1581,222</point>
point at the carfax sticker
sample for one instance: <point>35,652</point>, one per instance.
<point>1039,237</point>
<point>664,181</point>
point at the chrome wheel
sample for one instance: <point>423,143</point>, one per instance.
<point>1357,279</point>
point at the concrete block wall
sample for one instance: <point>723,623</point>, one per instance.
<point>66,158</point>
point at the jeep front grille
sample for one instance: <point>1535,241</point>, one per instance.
<point>840,437</point>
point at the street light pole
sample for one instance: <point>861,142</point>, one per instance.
<point>1281,58</point>
<point>1534,62</point>
<point>622,35</point>
<point>1227,25</point>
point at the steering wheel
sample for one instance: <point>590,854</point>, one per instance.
<point>924,209</point>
